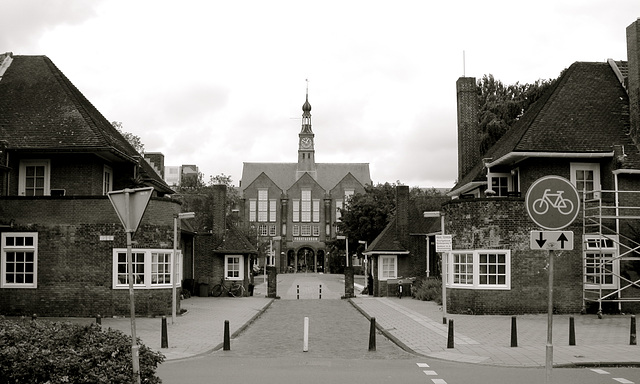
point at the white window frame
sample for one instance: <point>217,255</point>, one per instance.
<point>263,205</point>
<point>107,179</point>
<point>506,177</point>
<point>594,245</point>
<point>272,230</point>
<point>240,267</point>
<point>296,210</point>
<point>339,206</point>
<point>476,270</point>
<point>273,204</point>
<point>595,168</point>
<point>305,206</point>
<point>18,248</point>
<point>22,175</point>
<point>253,204</point>
<point>382,276</point>
<point>147,281</point>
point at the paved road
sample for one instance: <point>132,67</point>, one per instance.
<point>336,328</point>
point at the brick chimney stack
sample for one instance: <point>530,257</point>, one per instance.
<point>468,135</point>
<point>219,211</point>
<point>402,212</point>
<point>633,63</point>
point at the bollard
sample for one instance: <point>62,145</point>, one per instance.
<point>320,296</point>
<point>98,319</point>
<point>298,292</point>
<point>227,342</point>
<point>632,338</point>
<point>572,331</point>
<point>305,342</point>
<point>514,332</point>
<point>164,341</point>
<point>450,336</point>
<point>372,335</point>
<point>444,320</point>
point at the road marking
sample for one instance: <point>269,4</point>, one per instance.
<point>623,381</point>
<point>430,373</point>
<point>600,371</point>
<point>423,365</point>
<point>438,381</point>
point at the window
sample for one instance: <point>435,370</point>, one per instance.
<point>306,206</point>
<point>19,260</point>
<point>500,184</point>
<point>586,178</point>
<point>316,211</point>
<point>486,269</point>
<point>272,230</point>
<point>263,203</point>
<point>263,230</point>
<point>151,268</point>
<point>272,210</point>
<point>107,180</point>
<point>252,210</point>
<point>305,230</point>
<point>233,267</point>
<point>388,267</point>
<point>601,262</point>
<point>296,210</point>
<point>338,208</point>
<point>316,230</point>
<point>34,178</point>
<point>296,230</point>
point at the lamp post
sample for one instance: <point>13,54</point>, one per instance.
<point>174,267</point>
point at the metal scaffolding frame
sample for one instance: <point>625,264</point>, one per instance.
<point>604,212</point>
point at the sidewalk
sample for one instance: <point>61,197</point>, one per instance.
<point>415,325</point>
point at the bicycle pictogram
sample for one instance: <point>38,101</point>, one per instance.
<point>554,200</point>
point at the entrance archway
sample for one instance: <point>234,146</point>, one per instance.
<point>306,260</point>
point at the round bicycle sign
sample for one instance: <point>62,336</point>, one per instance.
<point>552,202</point>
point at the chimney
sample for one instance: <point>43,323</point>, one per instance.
<point>468,135</point>
<point>633,63</point>
<point>402,212</point>
<point>219,210</point>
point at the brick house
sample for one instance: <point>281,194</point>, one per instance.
<point>584,129</point>
<point>292,208</point>
<point>405,249</point>
<point>63,248</point>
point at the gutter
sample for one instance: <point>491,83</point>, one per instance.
<point>516,155</point>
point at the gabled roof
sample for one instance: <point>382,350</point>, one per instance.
<point>284,174</point>
<point>42,111</point>
<point>235,242</point>
<point>584,114</point>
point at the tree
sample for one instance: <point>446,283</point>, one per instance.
<point>130,137</point>
<point>501,106</point>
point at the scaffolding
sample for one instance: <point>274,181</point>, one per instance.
<point>611,252</point>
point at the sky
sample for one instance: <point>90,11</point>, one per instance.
<point>218,83</point>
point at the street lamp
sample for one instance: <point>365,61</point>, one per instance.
<point>184,215</point>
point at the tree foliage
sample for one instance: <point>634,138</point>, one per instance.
<point>134,140</point>
<point>500,106</point>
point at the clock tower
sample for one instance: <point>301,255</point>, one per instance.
<point>306,153</point>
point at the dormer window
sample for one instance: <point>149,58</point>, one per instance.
<point>34,178</point>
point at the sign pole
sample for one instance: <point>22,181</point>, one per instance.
<point>549,349</point>
<point>134,340</point>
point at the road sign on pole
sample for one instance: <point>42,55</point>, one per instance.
<point>552,202</point>
<point>552,240</point>
<point>130,205</point>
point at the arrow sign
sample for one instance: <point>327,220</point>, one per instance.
<point>552,240</point>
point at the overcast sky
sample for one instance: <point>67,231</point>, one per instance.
<point>219,83</point>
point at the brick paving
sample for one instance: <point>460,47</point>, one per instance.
<point>265,327</point>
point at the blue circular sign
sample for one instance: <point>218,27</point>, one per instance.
<point>552,202</point>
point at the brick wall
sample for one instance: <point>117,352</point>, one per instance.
<point>503,223</point>
<point>75,267</point>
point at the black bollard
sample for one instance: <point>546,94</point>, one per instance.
<point>450,336</point>
<point>372,335</point>
<point>632,337</point>
<point>444,320</point>
<point>98,319</point>
<point>227,342</point>
<point>320,296</point>
<point>164,342</point>
<point>514,332</point>
<point>297,292</point>
<point>572,331</point>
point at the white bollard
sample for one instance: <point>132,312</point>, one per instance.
<point>305,346</point>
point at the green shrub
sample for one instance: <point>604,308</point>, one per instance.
<point>60,352</point>
<point>428,289</point>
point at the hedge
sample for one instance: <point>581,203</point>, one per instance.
<point>60,352</point>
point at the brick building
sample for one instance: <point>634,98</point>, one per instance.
<point>292,207</point>
<point>63,248</point>
<point>584,129</point>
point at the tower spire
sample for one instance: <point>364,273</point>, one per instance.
<point>306,151</point>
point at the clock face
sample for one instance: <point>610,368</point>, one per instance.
<point>306,142</point>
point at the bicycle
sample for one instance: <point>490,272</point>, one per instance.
<point>235,290</point>
<point>541,205</point>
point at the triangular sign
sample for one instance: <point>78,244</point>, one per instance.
<point>138,199</point>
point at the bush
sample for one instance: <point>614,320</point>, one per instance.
<point>428,289</point>
<point>60,352</point>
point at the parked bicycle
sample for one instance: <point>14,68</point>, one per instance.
<point>234,290</point>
